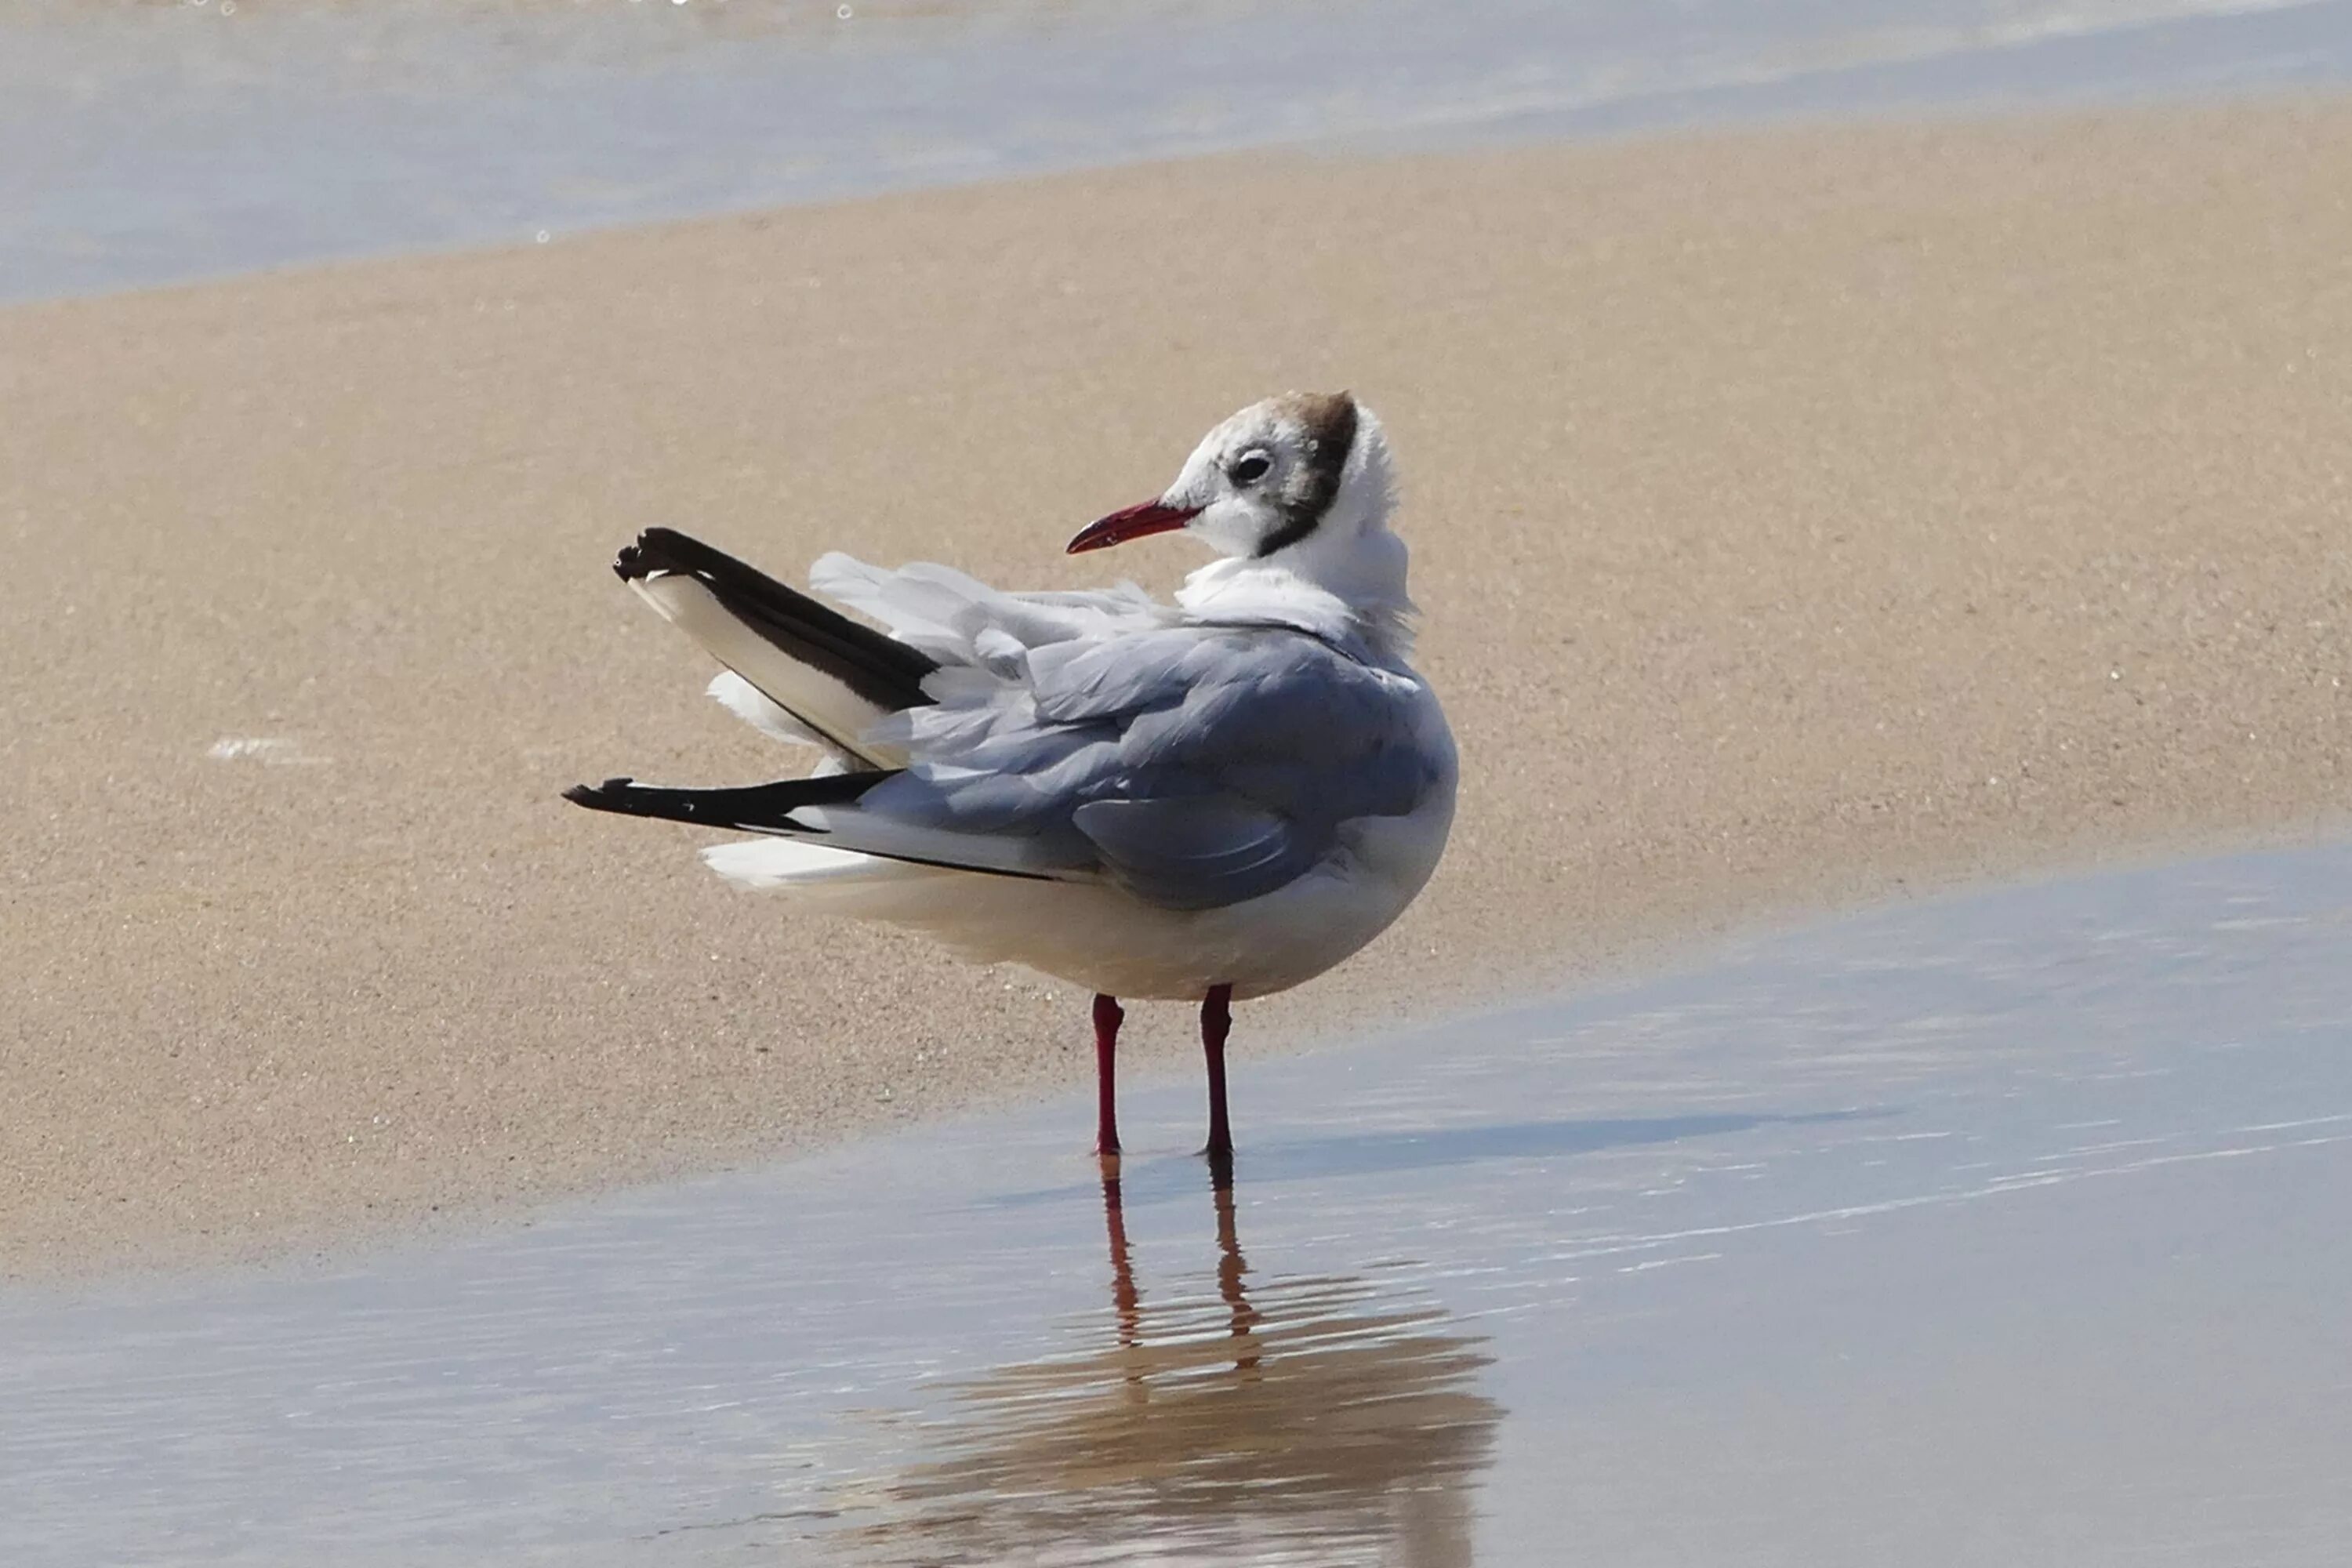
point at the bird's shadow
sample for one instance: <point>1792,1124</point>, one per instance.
<point>1155,1177</point>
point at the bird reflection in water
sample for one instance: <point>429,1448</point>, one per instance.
<point>1316,1419</point>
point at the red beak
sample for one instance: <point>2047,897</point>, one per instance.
<point>1131,522</point>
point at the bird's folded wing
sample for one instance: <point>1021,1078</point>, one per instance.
<point>1195,852</point>
<point>1194,767</point>
<point>1072,736</point>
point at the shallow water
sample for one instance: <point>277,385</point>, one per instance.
<point>155,143</point>
<point>2006,1229</point>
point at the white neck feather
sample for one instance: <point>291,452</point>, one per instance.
<point>1345,581</point>
<point>1271,592</point>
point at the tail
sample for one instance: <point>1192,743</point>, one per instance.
<point>836,676</point>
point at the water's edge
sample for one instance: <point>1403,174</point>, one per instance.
<point>2021,1208</point>
<point>171,145</point>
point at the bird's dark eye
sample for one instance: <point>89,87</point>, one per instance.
<point>1251,468</point>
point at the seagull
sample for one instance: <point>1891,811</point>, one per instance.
<point>1207,801</point>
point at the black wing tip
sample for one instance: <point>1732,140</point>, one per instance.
<point>753,808</point>
<point>667,550</point>
<point>881,671</point>
<point>605,796</point>
<point>657,550</point>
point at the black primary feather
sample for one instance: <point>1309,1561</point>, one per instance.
<point>752,808</point>
<point>884,671</point>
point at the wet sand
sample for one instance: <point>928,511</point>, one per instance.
<point>2007,1229</point>
<point>1802,516</point>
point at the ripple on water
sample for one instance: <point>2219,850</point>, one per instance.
<point>2010,1225</point>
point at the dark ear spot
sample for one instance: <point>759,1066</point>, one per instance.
<point>1329,418</point>
<point>1328,421</point>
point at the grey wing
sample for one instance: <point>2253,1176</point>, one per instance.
<point>1195,852</point>
<point>1194,767</point>
<point>959,620</point>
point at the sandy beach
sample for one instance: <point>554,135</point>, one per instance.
<point>1802,516</point>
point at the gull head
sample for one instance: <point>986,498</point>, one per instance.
<point>1302,474</point>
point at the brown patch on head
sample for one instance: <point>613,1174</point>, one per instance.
<point>1328,422</point>
<point>1328,417</point>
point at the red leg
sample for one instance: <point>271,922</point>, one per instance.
<point>1216,1023</point>
<point>1108,1014</point>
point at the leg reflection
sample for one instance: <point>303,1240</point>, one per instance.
<point>1126,1301</point>
<point>1231,1267</point>
<point>1266,1406</point>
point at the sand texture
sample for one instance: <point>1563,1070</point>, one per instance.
<point>1799,515</point>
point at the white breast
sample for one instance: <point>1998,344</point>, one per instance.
<point>1098,937</point>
